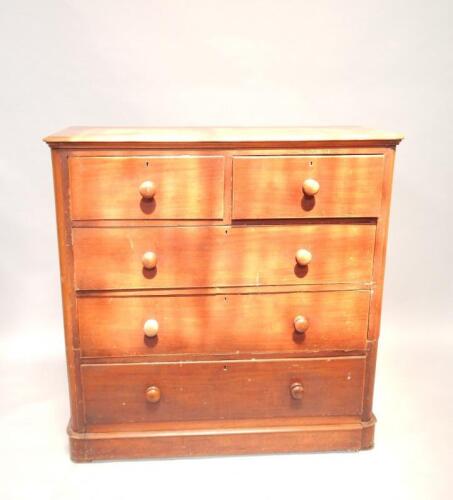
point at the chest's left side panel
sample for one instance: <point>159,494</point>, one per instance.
<point>66,255</point>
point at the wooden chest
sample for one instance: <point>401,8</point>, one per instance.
<point>221,287</point>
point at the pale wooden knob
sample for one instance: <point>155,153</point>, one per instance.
<point>149,260</point>
<point>301,324</point>
<point>310,187</point>
<point>296,390</point>
<point>152,394</point>
<point>303,257</point>
<point>147,189</point>
<point>151,327</point>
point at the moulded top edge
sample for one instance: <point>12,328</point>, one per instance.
<point>210,135</point>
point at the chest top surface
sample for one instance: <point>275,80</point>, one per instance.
<point>222,135</point>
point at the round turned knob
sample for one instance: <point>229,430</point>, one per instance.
<point>147,189</point>
<point>151,327</point>
<point>303,257</point>
<point>153,394</point>
<point>301,324</point>
<point>149,260</point>
<point>296,390</point>
<point>310,187</point>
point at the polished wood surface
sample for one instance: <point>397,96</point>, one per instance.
<point>256,437</point>
<point>272,187</point>
<point>60,179</point>
<point>150,328</point>
<point>152,394</point>
<point>216,390</point>
<point>110,258</point>
<point>185,187</point>
<point>303,257</point>
<point>224,424</point>
<point>222,288</point>
<point>310,187</point>
<point>301,324</point>
<point>149,260</point>
<point>147,190</point>
<point>215,135</point>
<point>297,390</point>
<point>230,323</point>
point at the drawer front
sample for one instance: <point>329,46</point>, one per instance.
<point>272,187</point>
<point>223,390</point>
<point>111,258</point>
<point>186,187</point>
<point>223,324</point>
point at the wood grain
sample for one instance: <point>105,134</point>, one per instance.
<point>111,258</point>
<point>65,250</point>
<point>221,440</point>
<point>223,324</point>
<point>187,187</point>
<point>219,425</point>
<point>216,135</point>
<point>223,354</point>
<point>378,275</point>
<point>217,390</point>
<point>270,187</point>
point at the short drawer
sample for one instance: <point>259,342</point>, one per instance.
<point>189,257</point>
<point>272,187</point>
<point>294,322</point>
<point>147,187</point>
<point>222,390</point>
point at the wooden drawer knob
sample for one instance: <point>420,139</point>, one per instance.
<point>151,327</point>
<point>147,190</point>
<point>153,394</point>
<point>149,260</point>
<point>296,390</point>
<point>301,324</point>
<point>303,257</point>
<point>310,187</point>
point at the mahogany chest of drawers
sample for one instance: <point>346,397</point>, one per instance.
<point>221,287</point>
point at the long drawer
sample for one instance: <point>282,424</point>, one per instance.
<point>112,258</point>
<point>222,390</point>
<point>223,324</point>
<point>275,187</point>
<point>147,187</point>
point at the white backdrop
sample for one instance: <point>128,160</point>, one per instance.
<point>384,63</point>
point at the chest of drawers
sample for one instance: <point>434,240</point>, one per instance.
<point>221,287</point>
